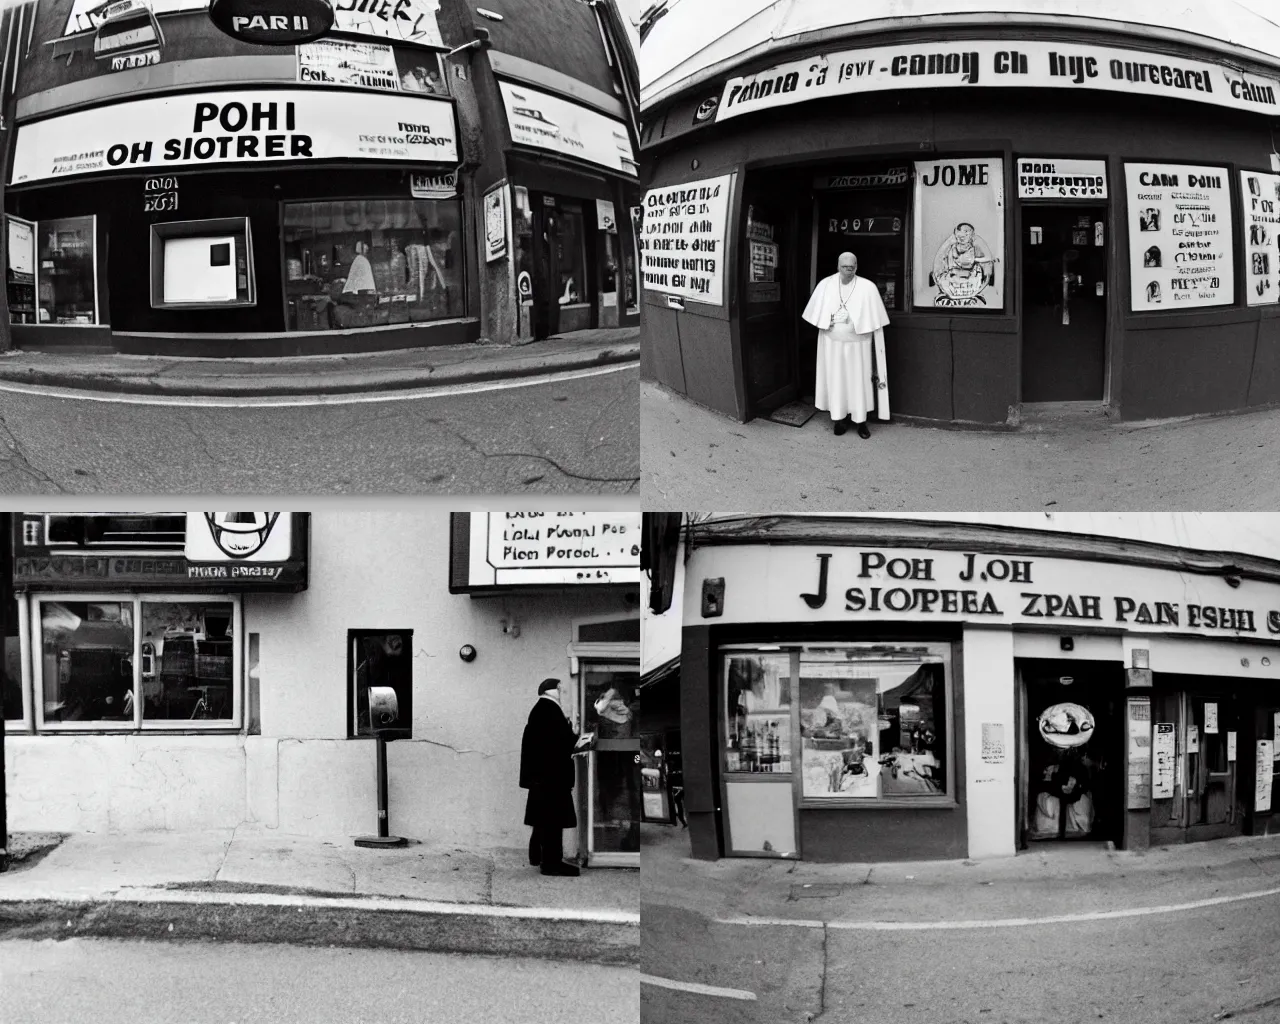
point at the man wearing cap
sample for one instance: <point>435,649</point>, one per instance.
<point>546,771</point>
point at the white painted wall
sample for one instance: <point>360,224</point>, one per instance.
<point>455,781</point>
<point>988,697</point>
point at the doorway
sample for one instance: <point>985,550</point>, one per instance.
<point>614,806</point>
<point>562,297</point>
<point>1072,769</point>
<point>769,311</point>
<point>1205,801</point>
<point>1064,307</point>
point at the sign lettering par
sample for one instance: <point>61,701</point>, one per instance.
<point>239,127</point>
<point>1261,200</point>
<point>238,537</point>
<point>272,22</point>
<point>559,125</point>
<point>683,238</point>
<point>1056,178</point>
<point>1180,249</point>
<point>997,63</point>
<point>541,548</point>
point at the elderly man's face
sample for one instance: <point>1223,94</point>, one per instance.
<point>848,266</point>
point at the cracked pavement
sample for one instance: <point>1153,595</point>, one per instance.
<point>573,436</point>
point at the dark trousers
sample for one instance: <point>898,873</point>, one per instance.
<point>546,845</point>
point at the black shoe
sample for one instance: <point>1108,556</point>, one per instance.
<point>561,868</point>
<point>838,427</point>
<point>535,851</point>
<point>863,432</point>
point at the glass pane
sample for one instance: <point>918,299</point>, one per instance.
<point>872,722</point>
<point>12,667</point>
<point>382,659</point>
<point>611,702</point>
<point>86,650</point>
<point>187,660</point>
<point>66,274</point>
<point>571,259</point>
<point>758,713</point>
<point>870,224</point>
<point>372,262</point>
<point>616,817</point>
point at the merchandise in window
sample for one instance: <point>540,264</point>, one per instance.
<point>370,263</point>
<point>86,651</point>
<point>385,660</point>
<point>66,276</point>
<point>873,721</point>
<point>758,713</point>
<point>187,656</point>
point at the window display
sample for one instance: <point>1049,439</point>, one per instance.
<point>869,221</point>
<point>381,658</point>
<point>21,277</point>
<point>370,263</point>
<point>757,712</point>
<point>66,276</point>
<point>86,661</point>
<point>186,660</point>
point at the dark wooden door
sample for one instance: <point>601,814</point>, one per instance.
<point>1211,773</point>
<point>769,316</point>
<point>1064,306</point>
<point>546,231</point>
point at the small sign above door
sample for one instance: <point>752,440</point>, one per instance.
<point>1055,178</point>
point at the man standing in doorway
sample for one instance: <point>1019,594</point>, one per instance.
<point>546,771</point>
<point>850,315</point>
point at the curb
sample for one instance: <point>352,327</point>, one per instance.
<point>473,372</point>
<point>606,937</point>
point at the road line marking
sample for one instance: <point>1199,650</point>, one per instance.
<point>289,401</point>
<point>697,989</point>
<point>1007,922</point>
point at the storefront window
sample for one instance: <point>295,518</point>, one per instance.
<point>873,721</point>
<point>758,713</point>
<point>66,275</point>
<point>381,659</point>
<point>86,653</point>
<point>868,219</point>
<point>370,263</point>
<point>202,264</point>
<point>187,654</point>
<point>611,710</point>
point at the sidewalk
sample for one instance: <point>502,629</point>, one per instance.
<point>1045,881</point>
<point>255,885</point>
<point>313,375</point>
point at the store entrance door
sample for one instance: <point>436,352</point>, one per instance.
<point>614,806</point>
<point>1072,758</point>
<point>561,292</point>
<point>1064,308</point>
<point>1204,802</point>
<point>769,313</point>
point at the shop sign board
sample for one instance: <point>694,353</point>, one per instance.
<point>1139,789</point>
<point>1263,770</point>
<point>561,126</point>
<point>434,186</point>
<point>1261,200</point>
<point>554,548</point>
<point>1164,761</point>
<point>348,62</point>
<point>807,583</point>
<point>160,195</point>
<point>1022,64</point>
<point>891,178</point>
<point>683,239</point>
<point>1180,250</point>
<point>1057,178</point>
<point>272,22</point>
<point>238,126</point>
<point>408,21</point>
<point>959,233</point>
<point>495,223</point>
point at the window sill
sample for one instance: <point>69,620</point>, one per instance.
<point>891,804</point>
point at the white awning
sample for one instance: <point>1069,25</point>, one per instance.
<point>697,40</point>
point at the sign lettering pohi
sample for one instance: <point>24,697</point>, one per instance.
<point>540,548</point>
<point>1260,194</point>
<point>1180,253</point>
<point>683,238</point>
<point>994,64</point>
<point>241,126</point>
<point>1057,178</point>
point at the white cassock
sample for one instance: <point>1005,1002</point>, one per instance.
<point>848,318</point>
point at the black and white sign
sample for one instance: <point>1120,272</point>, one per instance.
<point>239,126</point>
<point>272,22</point>
<point>1057,178</point>
<point>1164,765</point>
<point>238,537</point>
<point>959,233</point>
<point>540,548</point>
<point>1263,770</point>
<point>495,224</point>
<point>1260,194</point>
<point>1179,236</point>
<point>347,62</point>
<point>997,63</point>
<point>605,219</point>
<point>160,194</point>
<point>683,239</point>
<point>891,178</point>
<point>434,186</point>
<point>553,123</point>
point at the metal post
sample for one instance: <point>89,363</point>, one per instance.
<point>6,610</point>
<point>383,832</point>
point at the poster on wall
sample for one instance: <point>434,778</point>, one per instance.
<point>1180,253</point>
<point>237,126</point>
<point>993,749</point>
<point>505,549</point>
<point>238,537</point>
<point>557,124</point>
<point>495,224</point>
<point>959,233</point>
<point>1210,718</point>
<point>1264,769</point>
<point>22,251</point>
<point>347,62</point>
<point>683,238</point>
<point>1261,201</point>
<point>1139,788</point>
<point>1056,178</point>
<point>605,218</point>
<point>1163,761</point>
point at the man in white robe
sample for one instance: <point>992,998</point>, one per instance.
<point>849,315</point>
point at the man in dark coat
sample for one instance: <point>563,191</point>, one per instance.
<point>546,771</point>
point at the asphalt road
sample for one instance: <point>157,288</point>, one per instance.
<point>693,458</point>
<point>123,982</point>
<point>1187,967</point>
<point>570,436</point>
